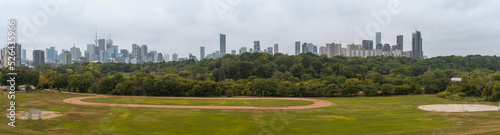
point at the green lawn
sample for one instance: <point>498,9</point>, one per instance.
<point>199,102</point>
<point>349,115</point>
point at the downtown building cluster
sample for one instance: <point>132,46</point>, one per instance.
<point>365,49</point>
<point>102,50</point>
<point>218,54</point>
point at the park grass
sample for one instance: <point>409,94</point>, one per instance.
<point>200,102</point>
<point>348,115</point>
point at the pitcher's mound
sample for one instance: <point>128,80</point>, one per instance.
<point>458,108</point>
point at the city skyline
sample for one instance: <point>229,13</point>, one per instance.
<point>194,24</point>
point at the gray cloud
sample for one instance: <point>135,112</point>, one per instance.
<point>181,26</point>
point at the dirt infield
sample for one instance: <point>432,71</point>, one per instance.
<point>317,103</point>
<point>458,108</point>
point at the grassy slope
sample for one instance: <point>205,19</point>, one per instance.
<point>201,102</point>
<point>359,115</point>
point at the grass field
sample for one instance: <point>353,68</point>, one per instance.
<point>199,102</point>
<point>349,115</point>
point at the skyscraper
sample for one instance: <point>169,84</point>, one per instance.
<point>109,43</point>
<point>91,51</point>
<point>380,47</point>
<point>66,58</point>
<point>333,50</point>
<point>160,57</point>
<point>202,52</point>
<point>101,44</point>
<point>297,47</point>
<point>276,47</point>
<point>144,52</point>
<point>304,48</point>
<point>417,45</point>
<point>222,45</point>
<point>270,50</point>
<point>378,38</point>
<point>38,57</point>
<point>136,52</point>
<point>154,56</point>
<point>367,44</point>
<point>387,48</point>
<point>256,46</point>
<point>399,42</point>
<point>243,50</point>
<point>174,57</point>
<point>124,53</point>
<point>23,55</point>
<point>75,53</point>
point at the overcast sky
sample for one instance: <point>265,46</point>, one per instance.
<point>449,27</point>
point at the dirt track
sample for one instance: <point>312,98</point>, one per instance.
<point>317,103</point>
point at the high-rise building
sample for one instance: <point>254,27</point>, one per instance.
<point>378,38</point>
<point>243,50</point>
<point>166,57</point>
<point>297,47</point>
<point>109,43</point>
<point>160,57</point>
<point>101,43</point>
<point>154,56</point>
<point>90,49</point>
<point>144,52</point>
<point>51,55</point>
<point>270,50</point>
<point>322,50</point>
<point>387,48</point>
<point>417,45</point>
<point>124,53</point>
<point>174,57</point>
<point>136,52</point>
<point>394,47</point>
<point>380,46</point>
<point>202,52</point>
<point>367,44</point>
<point>75,53</point>
<point>256,46</point>
<point>23,55</point>
<point>38,57</point>
<point>304,48</point>
<point>399,42</point>
<point>276,49</point>
<point>222,44</point>
<point>315,49</point>
<point>310,47</point>
<point>233,52</point>
<point>191,57</point>
<point>66,58</point>
<point>113,51</point>
<point>333,50</point>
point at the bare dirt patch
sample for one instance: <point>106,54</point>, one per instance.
<point>458,108</point>
<point>45,115</point>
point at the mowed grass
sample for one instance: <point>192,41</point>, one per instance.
<point>348,115</point>
<point>200,102</point>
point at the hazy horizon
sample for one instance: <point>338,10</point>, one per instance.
<point>448,27</point>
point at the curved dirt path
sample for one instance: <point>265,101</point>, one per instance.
<point>317,103</point>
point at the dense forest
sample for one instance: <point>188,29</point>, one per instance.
<point>261,74</point>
